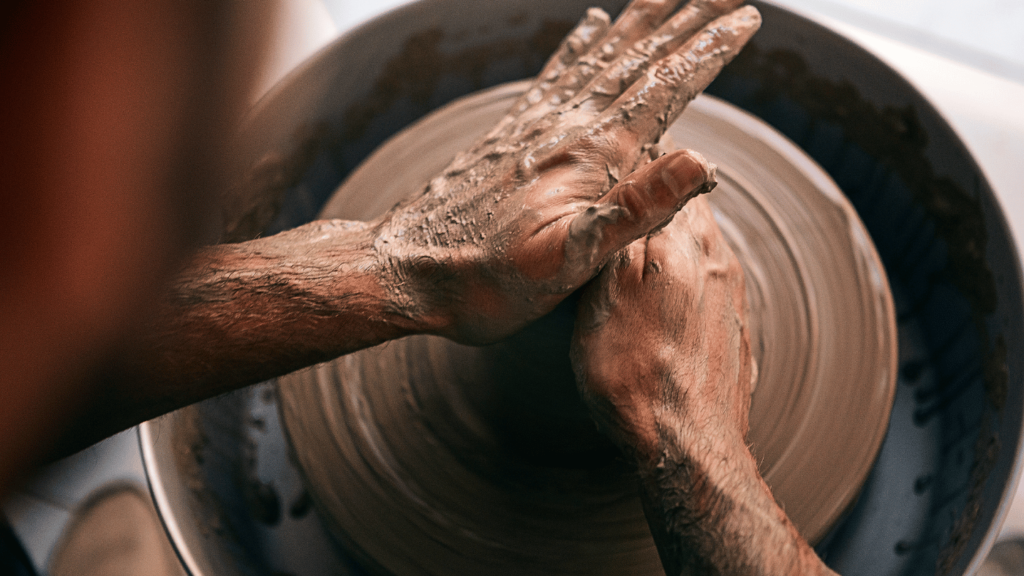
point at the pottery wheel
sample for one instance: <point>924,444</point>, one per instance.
<point>428,457</point>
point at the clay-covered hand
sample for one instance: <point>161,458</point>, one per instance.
<point>662,356</point>
<point>661,341</point>
<point>533,210</point>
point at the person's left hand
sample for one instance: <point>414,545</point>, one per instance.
<point>535,208</point>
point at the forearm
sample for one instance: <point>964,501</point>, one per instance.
<point>242,313</point>
<point>711,513</point>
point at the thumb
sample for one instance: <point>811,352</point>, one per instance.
<point>643,202</point>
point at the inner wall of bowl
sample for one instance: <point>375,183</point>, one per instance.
<point>938,484</point>
<point>955,427</point>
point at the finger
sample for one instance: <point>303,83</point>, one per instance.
<point>628,67</point>
<point>598,300</point>
<point>637,20</point>
<point>654,102</point>
<point>636,206</point>
<point>590,30</point>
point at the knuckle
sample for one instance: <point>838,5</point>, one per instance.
<point>672,69</point>
<point>642,50</point>
<point>589,65</point>
<point>602,148</point>
<point>653,6</point>
<point>636,197</point>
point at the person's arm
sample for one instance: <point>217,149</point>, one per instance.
<point>711,513</point>
<point>662,357</point>
<point>242,313</point>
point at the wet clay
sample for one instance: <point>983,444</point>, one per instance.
<point>431,457</point>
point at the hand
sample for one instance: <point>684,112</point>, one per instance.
<point>662,357</point>
<point>662,341</point>
<point>530,213</point>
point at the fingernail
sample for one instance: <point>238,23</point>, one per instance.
<point>687,173</point>
<point>712,180</point>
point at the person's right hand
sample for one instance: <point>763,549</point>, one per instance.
<point>662,344</point>
<point>662,357</point>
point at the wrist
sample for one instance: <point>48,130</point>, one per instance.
<point>319,287</point>
<point>692,434</point>
<point>710,511</point>
<point>687,451</point>
<point>364,280</point>
<point>412,284</point>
